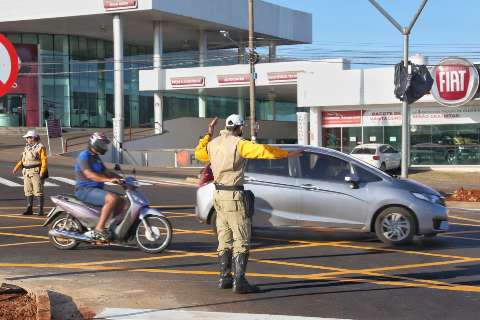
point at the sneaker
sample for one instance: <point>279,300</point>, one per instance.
<point>98,235</point>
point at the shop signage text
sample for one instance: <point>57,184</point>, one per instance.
<point>187,82</point>
<point>456,82</point>
<point>332,118</point>
<point>120,4</point>
<point>285,76</point>
<point>231,79</point>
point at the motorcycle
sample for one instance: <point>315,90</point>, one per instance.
<point>71,218</point>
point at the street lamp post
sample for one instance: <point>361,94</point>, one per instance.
<point>405,31</point>
<point>252,59</point>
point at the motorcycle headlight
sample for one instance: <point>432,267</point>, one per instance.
<point>430,198</point>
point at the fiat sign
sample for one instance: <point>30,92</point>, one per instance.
<point>456,82</point>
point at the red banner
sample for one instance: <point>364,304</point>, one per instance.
<point>341,117</point>
<point>231,79</point>
<point>285,76</point>
<point>120,4</point>
<point>187,82</point>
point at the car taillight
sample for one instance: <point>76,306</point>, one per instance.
<point>206,176</point>
<point>376,157</point>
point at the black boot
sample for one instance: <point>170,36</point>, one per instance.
<point>29,210</point>
<point>240,284</point>
<point>225,261</point>
<point>41,201</point>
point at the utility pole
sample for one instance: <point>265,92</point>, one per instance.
<point>405,31</point>
<point>252,59</point>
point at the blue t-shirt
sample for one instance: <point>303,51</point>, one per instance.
<point>88,160</point>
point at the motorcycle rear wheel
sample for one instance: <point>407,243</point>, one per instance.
<point>158,238</point>
<point>65,222</point>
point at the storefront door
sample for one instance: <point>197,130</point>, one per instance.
<point>13,110</point>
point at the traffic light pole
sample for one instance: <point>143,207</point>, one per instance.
<point>405,31</point>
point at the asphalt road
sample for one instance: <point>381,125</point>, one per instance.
<point>322,274</point>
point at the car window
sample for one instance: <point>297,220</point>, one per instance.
<point>383,149</point>
<point>270,167</point>
<point>365,175</point>
<point>323,167</point>
<point>363,151</point>
<point>390,150</point>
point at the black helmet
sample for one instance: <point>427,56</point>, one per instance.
<point>99,142</point>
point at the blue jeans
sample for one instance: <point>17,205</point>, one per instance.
<point>93,196</point>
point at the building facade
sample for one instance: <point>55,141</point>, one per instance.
<point>67,53</point>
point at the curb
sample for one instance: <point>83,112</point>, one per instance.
<point>463,205</point>
<point>42,300</point>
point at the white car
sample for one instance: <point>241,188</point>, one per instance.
<point>382,156</point>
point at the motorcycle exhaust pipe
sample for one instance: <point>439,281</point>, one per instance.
<point>69,234</point>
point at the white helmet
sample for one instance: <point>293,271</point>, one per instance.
<point>234,120</point>
<point>31,133</point>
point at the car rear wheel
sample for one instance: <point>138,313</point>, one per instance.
<point>383,166</point>
<point>395,225</point>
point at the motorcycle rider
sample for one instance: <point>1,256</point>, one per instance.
<point>227,154</point>
<point>91,177</point>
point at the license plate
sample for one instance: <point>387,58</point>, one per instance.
<point>444,225</point>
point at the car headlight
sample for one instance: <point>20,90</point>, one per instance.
<point>430,198</point>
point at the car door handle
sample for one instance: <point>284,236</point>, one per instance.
<point>310,187</point>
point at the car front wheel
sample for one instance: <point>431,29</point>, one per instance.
<point>395,225</point>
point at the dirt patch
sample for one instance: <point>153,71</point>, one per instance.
<point>461,194</point>
<point>16,304</point>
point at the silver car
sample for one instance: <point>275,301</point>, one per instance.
<point>327,188</point>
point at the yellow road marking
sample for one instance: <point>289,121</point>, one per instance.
<point>19,216</point>
<point>445,287</point>
<point>187,231</point>
<point>463,224</point>
<point>136,259</point>
<point>460,232</point>
<point>22,235</point>
<point>463,238</point>
<point>464,219</point>
<point>21,227</point>
<point>22,243</point>
<point>420,253</point>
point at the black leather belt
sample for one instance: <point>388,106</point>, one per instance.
<point>229,188</point>
<point>31,167</point>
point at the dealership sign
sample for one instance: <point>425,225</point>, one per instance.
<point>456,82</point>
<point>285,76</point>
<point>187,82</point>
<point>341,118</point>
<point>233,79</point>
<point>9,67</point>
<point>120,4</point>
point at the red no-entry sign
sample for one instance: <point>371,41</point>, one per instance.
<point>8,65</point>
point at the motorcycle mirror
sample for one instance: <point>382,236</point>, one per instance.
<point>117,167</point>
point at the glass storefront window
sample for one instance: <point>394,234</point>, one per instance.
<point>372,135</point>
<point>351,137</point>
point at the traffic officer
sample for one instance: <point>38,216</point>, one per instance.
<point>34,169</point>
<point>227,154</point>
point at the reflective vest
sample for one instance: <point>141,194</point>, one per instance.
<point>227,165</point>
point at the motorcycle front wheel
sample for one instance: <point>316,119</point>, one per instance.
<point>156,237</point>
<point>65,222</point>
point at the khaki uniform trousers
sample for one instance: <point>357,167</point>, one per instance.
<point>32,183</point>
<point>233,225</point>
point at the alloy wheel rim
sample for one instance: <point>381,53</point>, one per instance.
<point>395,227</point>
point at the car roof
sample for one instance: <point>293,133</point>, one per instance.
<point>370,145</point>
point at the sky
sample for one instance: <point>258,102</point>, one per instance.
<point>445,27</point>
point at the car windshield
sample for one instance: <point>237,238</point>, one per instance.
<point>364,150</point>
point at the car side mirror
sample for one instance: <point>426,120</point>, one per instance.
<point>353,180</point>
<point>117,167</point>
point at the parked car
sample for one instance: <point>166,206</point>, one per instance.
<point>327,188</point>
<point>382,156</point>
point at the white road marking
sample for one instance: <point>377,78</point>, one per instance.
<point>47,184</point>
<point>9,183</point>
<point>149,314</point>
<point>65,180</point>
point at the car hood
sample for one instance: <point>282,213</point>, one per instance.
<point>414,186</point>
